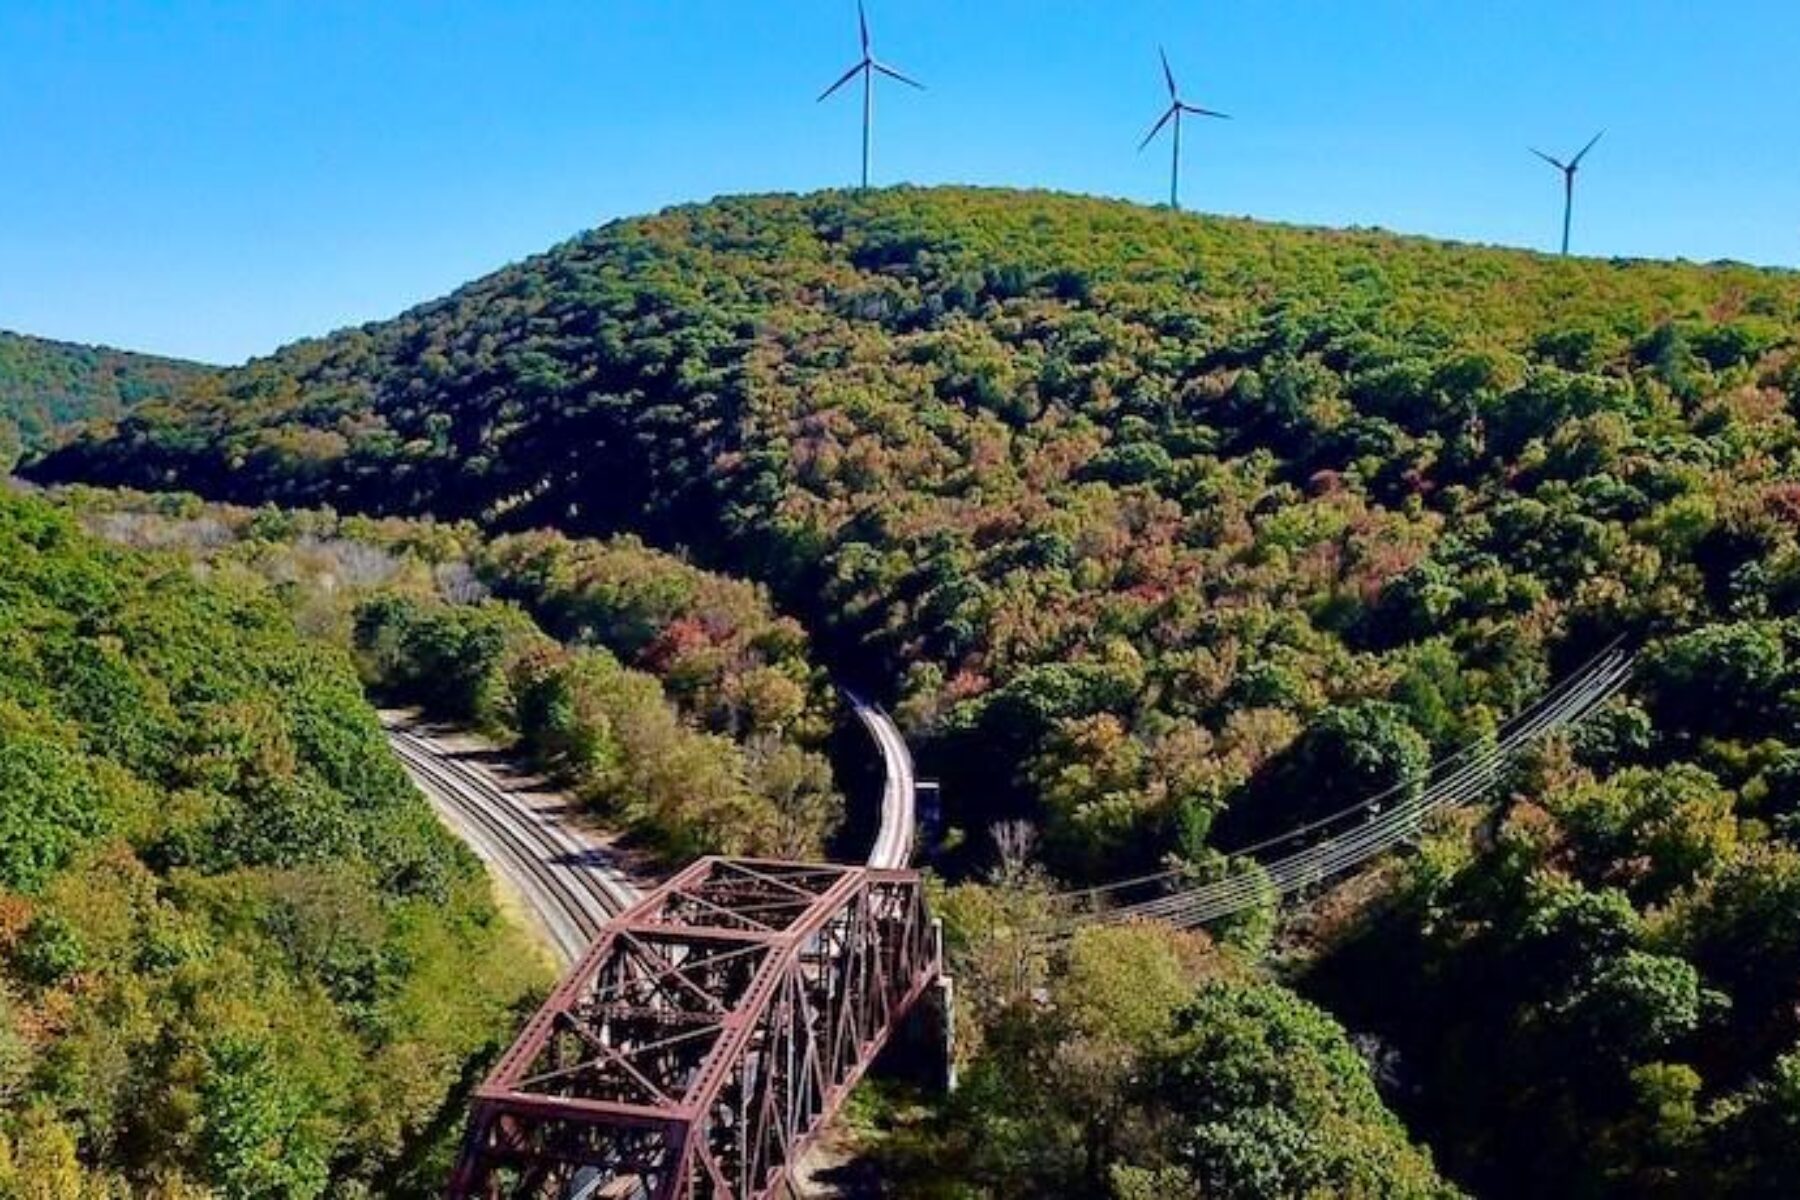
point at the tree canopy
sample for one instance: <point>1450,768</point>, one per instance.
<point>236,951</point>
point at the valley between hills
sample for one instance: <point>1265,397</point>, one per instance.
<point>1159,535</point>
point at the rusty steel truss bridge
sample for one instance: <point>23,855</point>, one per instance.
<point>705,1038</point>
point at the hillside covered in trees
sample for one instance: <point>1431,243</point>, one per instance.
<point>46,385</point>
<point>238,956</point>
<point>1167,532</point>
<point>674,701</point>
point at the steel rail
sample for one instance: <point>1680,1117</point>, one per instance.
<point>1300,871</point>
<point>614,892</point>
<point>1479,771</point>
<point>568,910</point>
<point>1471,751</point>
<point>538,838</point>
<point>572,904</point>
<point>1470,780</point>
<point>893,846</point>
<point>1509,731</point>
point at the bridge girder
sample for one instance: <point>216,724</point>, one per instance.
<point>706,1036</point>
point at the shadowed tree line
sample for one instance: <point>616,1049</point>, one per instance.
<point>47,386</point>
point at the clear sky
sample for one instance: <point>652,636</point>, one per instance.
<point>215,179</point>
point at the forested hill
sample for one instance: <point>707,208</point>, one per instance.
<point>45,385</point>
<point>1050,457</point>
<point>1168,531</point>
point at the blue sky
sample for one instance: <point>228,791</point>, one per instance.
<point>213,180</point>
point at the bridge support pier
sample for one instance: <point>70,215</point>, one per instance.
<point>922,1051</point>
<point>943,1006</point>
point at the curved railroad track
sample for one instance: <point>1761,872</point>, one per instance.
<point>572,888</point>
<point>893,847</point>
<point>566,879</point>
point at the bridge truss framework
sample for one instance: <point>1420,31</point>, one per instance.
<point>707,1035</point>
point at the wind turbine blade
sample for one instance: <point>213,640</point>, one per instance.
<point>1167,74</point>
<point>1576,161</point>
<point>1157,128</point>
<point>1557,163</point>
<point>862,24</point>
<point>846,77</point>
<point>1205,112</point>
<point>893,74</point>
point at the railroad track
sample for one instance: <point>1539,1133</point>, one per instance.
<point>572,891</point>
<point>893,846</point>
<point>563,877</point>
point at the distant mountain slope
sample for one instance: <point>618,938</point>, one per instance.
<point>45,385</point>
<point>723,353</point>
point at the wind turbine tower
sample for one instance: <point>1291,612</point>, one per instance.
<point>1568,170</point>
<point>868,66</point>
<point>1177,106</point>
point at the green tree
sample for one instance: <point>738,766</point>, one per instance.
<point>1724,679</point>
<point>1348,754</point>
<point>255,1137</point>
<point>1759,1132</point>
<point>1270,1099</point>
<point>12,445</point>
<point>53,804</point>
